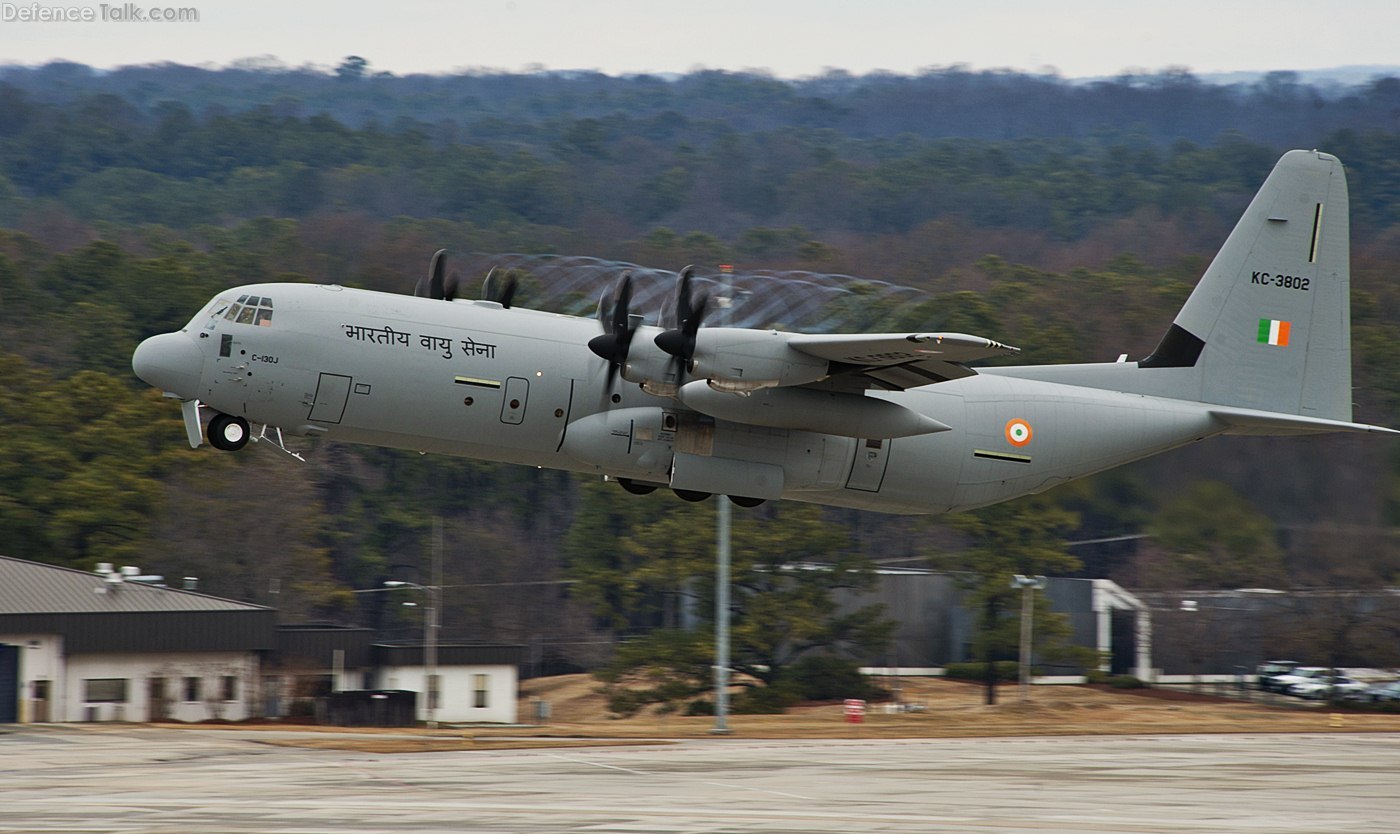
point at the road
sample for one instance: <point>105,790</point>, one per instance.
<point>137,779</point>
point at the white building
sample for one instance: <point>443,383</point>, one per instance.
<point>80,646</point>
<point>476,683</point>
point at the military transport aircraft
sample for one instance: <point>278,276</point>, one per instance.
<point>893,422</point>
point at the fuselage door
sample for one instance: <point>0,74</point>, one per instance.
<point>513,403</point>
<point>868,467</point>
<point>331,393</point>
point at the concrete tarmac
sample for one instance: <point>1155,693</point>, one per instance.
<point>128,780</point>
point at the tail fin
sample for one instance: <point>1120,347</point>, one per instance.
<point>1269,325</point>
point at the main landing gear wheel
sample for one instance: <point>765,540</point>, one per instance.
<point>636,488</point>
<point>743,501</point>
<point>228,433</point>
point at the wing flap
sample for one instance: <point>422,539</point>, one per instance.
<point>902,360</point>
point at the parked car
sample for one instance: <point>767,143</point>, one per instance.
<point>1301,674</point>
<point>1377,693</point>
<point>1266,672</point>
<point>1338,686</point>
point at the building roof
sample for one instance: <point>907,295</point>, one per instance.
<point>450,654</point>
<point>317,644</point>
<point>36,588</point>
<point>97,613</point>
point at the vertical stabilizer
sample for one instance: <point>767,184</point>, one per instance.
<point>1269,325</point>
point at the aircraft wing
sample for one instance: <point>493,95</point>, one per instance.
<point>896,361</point>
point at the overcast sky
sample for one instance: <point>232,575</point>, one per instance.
<point>789,38</point>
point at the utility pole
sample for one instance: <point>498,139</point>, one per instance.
<point>1028,585</point>
<point>432,604</point>
<point>722,559</point>
<point>430,658</point>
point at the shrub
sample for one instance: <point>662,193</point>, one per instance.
<point>700,707</point>
<point>827,678</point>
<point>765,700</point>
<point>1006,670</point>
<point>1126,682</point>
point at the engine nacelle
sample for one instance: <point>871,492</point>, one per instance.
<point>739,359</point>
<point>650,366</point>
<point>628,442</point>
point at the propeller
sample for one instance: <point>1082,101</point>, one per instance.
<point>680,342</point>
<point>431,285</point>
<point>612,345</point>
<point>499,290</point>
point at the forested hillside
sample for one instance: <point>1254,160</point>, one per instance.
<point>1070,220</point>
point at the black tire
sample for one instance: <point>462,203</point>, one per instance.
<point>636,488</point>
<point>227,433</point>
<point>691,495</point>
<point>746,502</point>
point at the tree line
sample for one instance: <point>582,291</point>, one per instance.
<point>126,205</point>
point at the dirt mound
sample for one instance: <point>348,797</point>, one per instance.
<point>571,698</point>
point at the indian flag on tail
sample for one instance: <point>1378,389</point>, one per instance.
<point>1274,332</point>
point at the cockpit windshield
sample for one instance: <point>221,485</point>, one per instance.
<point>248,309</point>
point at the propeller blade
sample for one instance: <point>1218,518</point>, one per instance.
<point>499,290</point>
<point>613,343</point>
<point>508,291</point>
<point>452,287</point>
<point>683,309</point>
<point>431,286</point>
<point>690,313</point>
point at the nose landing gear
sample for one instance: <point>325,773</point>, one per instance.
<point>228,433</point>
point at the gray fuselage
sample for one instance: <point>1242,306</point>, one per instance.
<point>472,379</point>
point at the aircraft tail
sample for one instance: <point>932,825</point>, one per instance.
<point>1268,328</point>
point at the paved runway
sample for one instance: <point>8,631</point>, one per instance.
<point>55,779</point>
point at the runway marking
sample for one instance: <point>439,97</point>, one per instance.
<point>699,781</point>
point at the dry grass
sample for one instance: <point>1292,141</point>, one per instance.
<point>952,709</point>
<point>949,709</point>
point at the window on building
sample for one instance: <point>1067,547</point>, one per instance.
<point>481,686</point>
<point>192,687</point>
<point>104,690</point>
<point>434,691</point>
<point>228,688</point>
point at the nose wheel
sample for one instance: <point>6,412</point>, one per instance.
<point>228,433</point>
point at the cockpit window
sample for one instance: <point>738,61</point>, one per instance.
<point>249,310</point>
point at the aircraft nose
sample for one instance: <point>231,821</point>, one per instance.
<point>171,362</point>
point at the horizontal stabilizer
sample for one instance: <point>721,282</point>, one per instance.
<point>1250,421</point>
